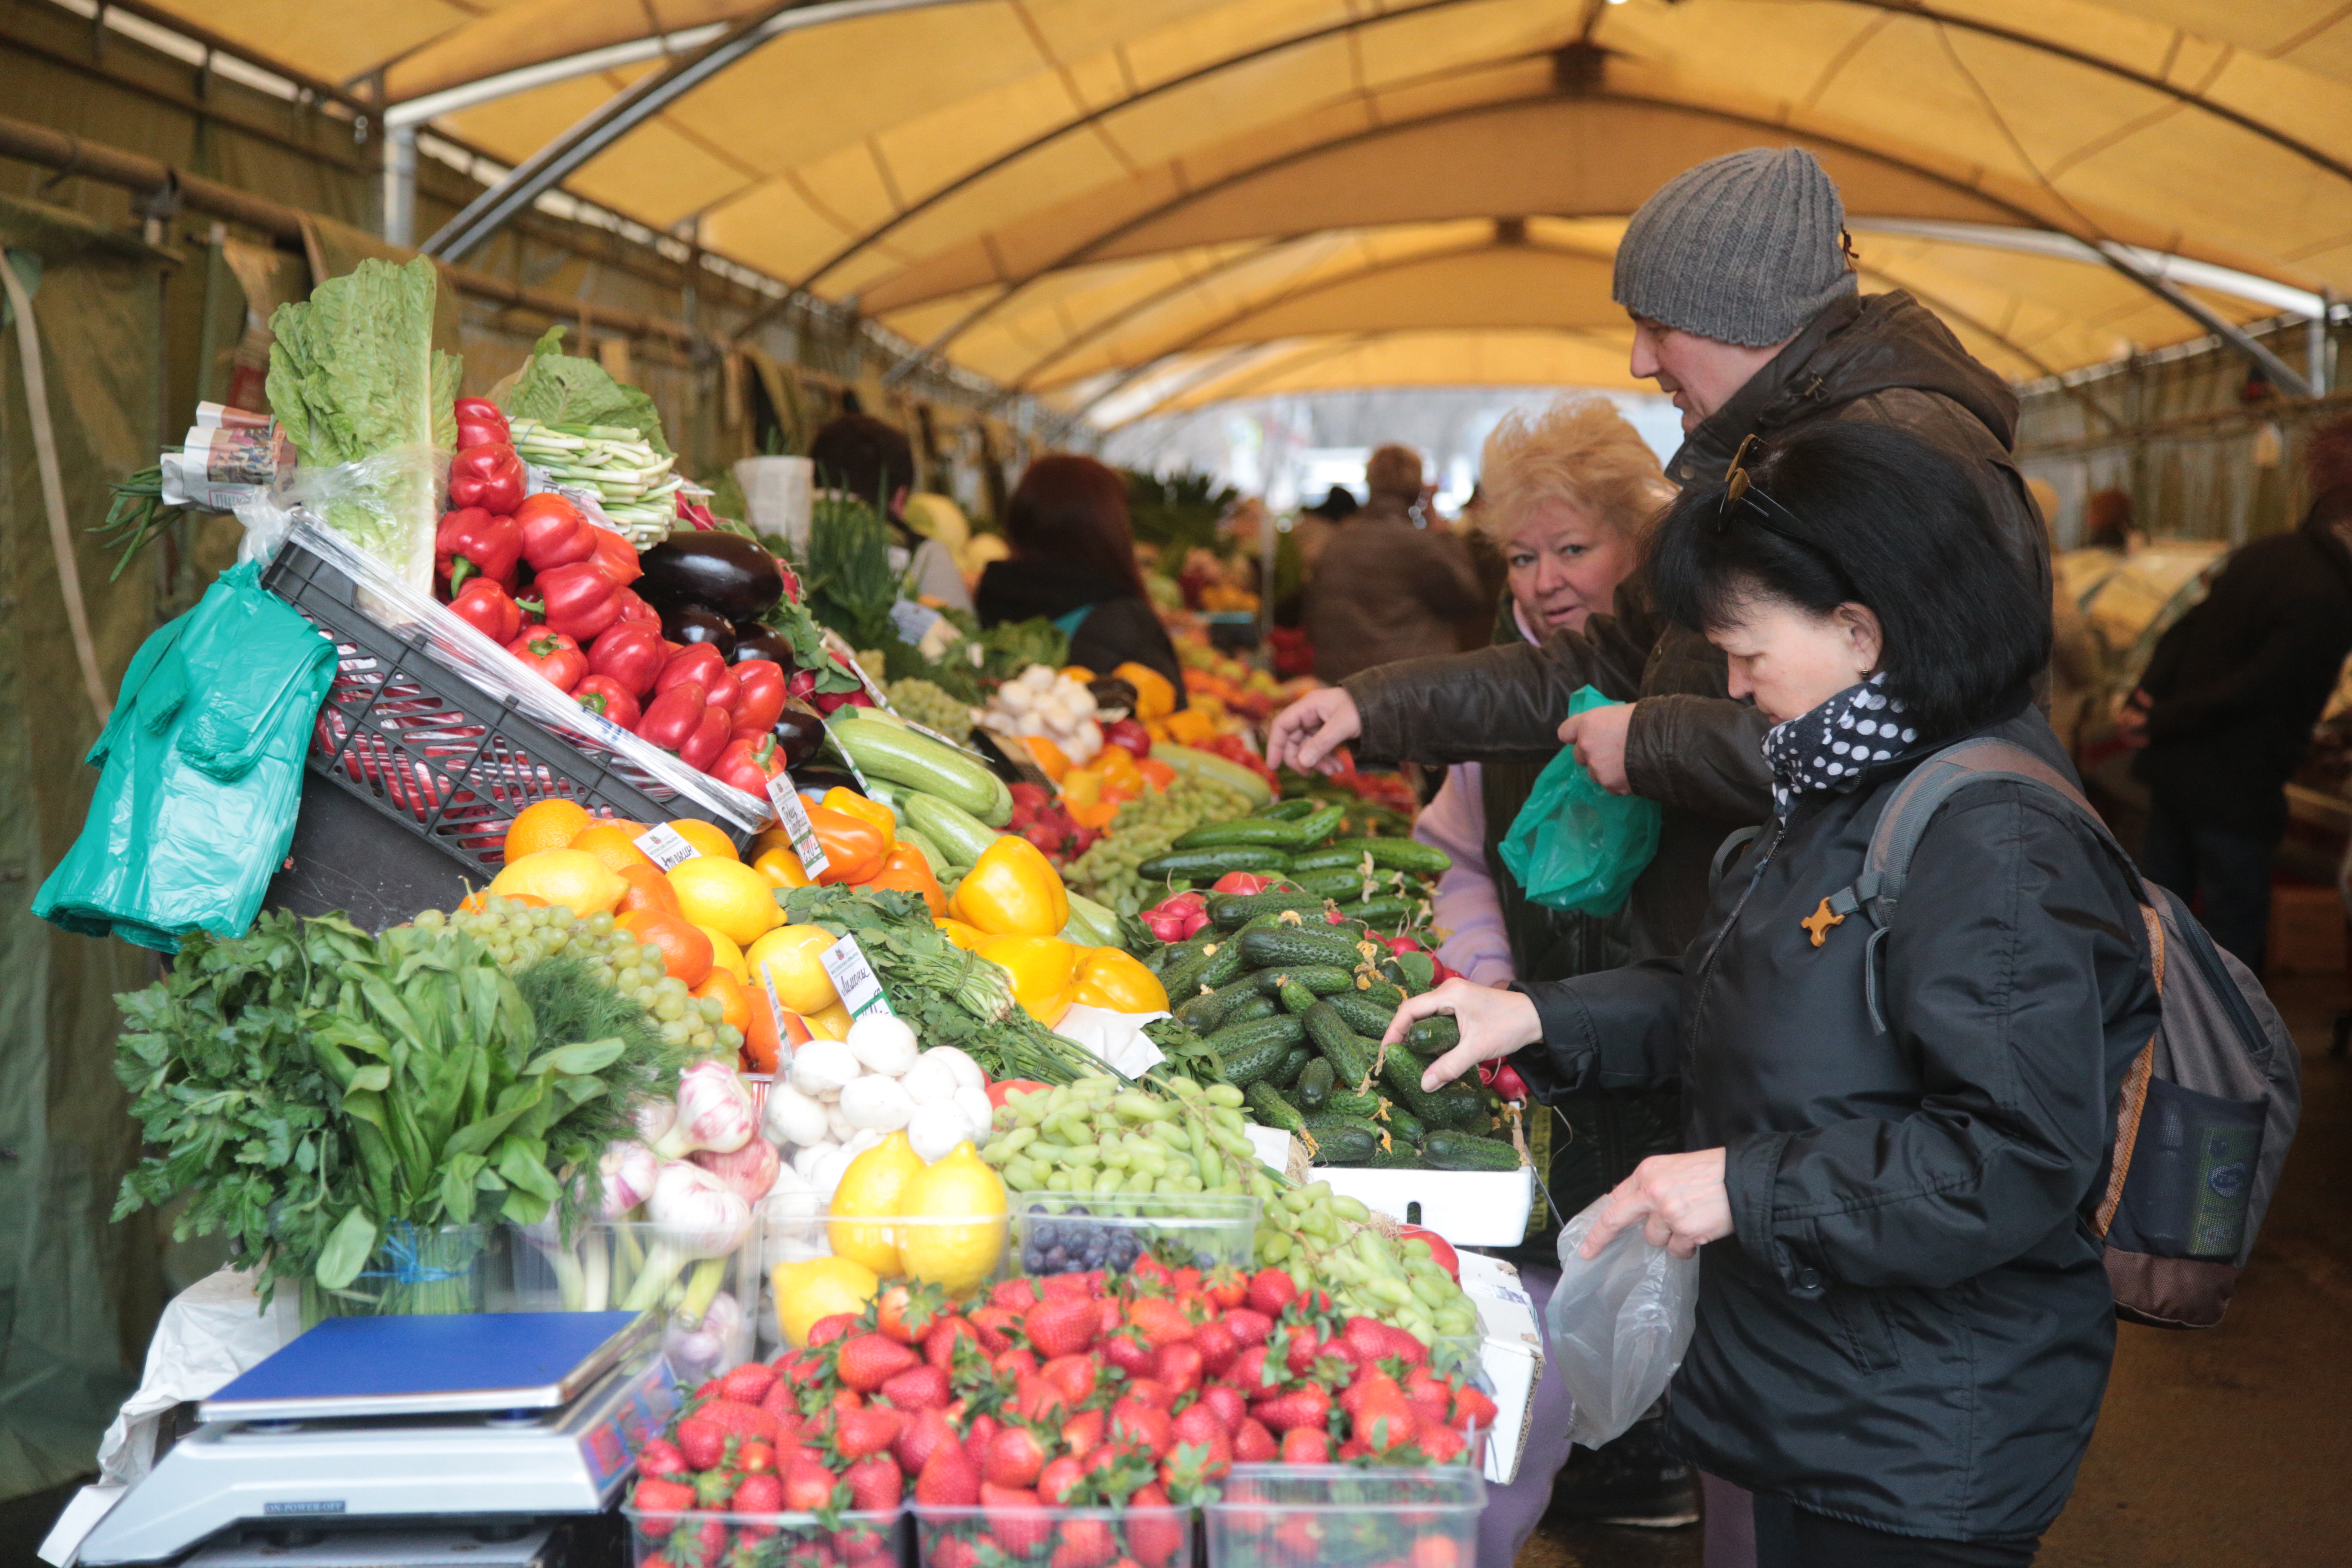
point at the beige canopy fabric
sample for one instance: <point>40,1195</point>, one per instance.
<point>1131,206</point>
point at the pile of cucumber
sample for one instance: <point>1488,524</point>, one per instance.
<point>1294,1007</point>
<point>1384,882</point>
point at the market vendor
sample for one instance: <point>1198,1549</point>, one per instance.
<point>1904,1317</point>
<point>872,461</point>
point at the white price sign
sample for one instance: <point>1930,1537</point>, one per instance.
<point>665,847</point>
<point>792,813</point>
<point>776,1018</point>
<point>854,979</point>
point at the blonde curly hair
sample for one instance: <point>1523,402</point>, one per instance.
<point>1579,450</point>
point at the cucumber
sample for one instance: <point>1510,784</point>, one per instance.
<point>1296,997</point>
<point>1343,1140</point>
<point>1288,810</point>
<point>1230,910</point>
<point>1404,1126</point>
<point>1227,960</point>
<point>1090,924</point>
<point>1270,1109</point>
<point>1217,770</point>
<point>1290,946</point>
<point>1349,1054</point>
<point>1446,1150</point>
<point>1389,916</point>
<point>1252,1051</point>
<point>1243,830</point>
<point>1318,979</point>
<point>1251,1008</point>
<point>1361,1013</point>
<point>1206,1011</point>
<point>1315,1084</point>
<point>1346,1102</point>
<point>884,750</point>
<point>1327,860</point>
<point>1381,993</point>
<point>1286,1075</point>
<point>1321,826</point>
<point>1399,1155</point>
<point>1348,883</point>
<point>1398,854</point>
<point>1182,977</point>
<point>962,837</point>
<point>1208,865</point>
<point>1434,1036</point>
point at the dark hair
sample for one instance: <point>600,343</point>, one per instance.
<point>1869,515</point>
<point>1068,508</point>
<point>861,455</point>
<point>2107,520</point>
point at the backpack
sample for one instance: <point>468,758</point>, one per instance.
<point>2210,1103</point>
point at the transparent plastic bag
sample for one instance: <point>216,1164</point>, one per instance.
<point>387,505</point>
<point>1574,846</point>
<point>1617,1326</point>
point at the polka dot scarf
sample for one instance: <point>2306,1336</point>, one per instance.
<point>1832,746</point>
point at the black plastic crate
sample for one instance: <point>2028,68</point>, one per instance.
<point>427,749</point>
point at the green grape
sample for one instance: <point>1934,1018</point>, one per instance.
<point>599,925</point>
<point>713,1009</point>
<point>430,919</point>
<point>669,1009</point>
<point>674,1032</point>
<point>729,1037</point>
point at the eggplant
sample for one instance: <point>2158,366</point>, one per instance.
<point>697,623</point>
<point>720,571</point>
<point>799,735</point>
<point>753,640</point>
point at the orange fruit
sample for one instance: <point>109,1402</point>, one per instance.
<point>725,954</point>
<point>549,825</point>
<point>738,1001</point>
<point>782,867</point>
<point>686,951</point>
<point>648,889</point>
<point>475,904</point>
<point>616,844</point>
<point>572,878</point>
<point>707,838</point>
<point>726,895</point>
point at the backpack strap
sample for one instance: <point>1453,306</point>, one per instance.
<point>2135,1095</point>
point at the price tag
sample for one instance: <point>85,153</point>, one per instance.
<point>776,1018</point>
<point>665,847</point>
<point>792,814</point>
<point>1271,1144</point>
<point>854,978</point>
<point>913,619</point>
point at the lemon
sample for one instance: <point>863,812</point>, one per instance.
<point>572,878</point>
<point>792,958</point>
<point>808,1292</point>
<point>873,1186</point>
<point>725,954</point>
<point>828,1023</point>
<point>727,896</point>
<point>708,839</point>
<point>956,1258</point>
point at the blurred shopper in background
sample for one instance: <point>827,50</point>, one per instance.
<point>860,456</point>
<point>2226,707</point>
<point>2107,523</point>
<point>1074,564</point>
<point>2074,670</point>
<point>1384,586</point>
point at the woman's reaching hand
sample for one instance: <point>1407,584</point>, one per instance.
<point>1678,1200</point>
<point>1493,1023</point>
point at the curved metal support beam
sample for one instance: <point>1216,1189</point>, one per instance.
<point>2066,247</point>
<point>524,79</point>
<point>625,111</point>
<point>1306,354</point>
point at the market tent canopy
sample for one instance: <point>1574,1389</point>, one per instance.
<point>1209,197</point>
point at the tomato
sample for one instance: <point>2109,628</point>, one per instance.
<point>1439,1249</point>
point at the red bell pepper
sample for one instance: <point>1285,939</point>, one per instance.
<point>671,719</point>
<point>603,694</point>
<point>749,762</point>
<point>616,556</point>
<point>1128,734</point>
<point>490,476</point>
<point>552,655</point>
<point>553,532</point>
<point>704,665</point>
<point>577,600</point>
<point>635,609</point>
<point>488,608</point>
<point>471,543</point>
<point>710,738</point>
<point>759,693</point>
<point>629,653</point>
<point>481,423</point>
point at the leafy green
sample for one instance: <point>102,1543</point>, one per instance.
<point>557,388</point>
<point>1178,512</point>
<point>847,573</point>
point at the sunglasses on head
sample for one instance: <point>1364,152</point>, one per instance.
<point>1739,489</point>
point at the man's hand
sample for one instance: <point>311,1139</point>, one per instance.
<point>1493,1023</point>
<point>1677,1199</point>
<point>2131,721</point>
<point>1598,736</point>
<point>1310,731</point>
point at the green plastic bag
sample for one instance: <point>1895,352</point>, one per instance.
<point>1574,846</point>
<point>200,773</point>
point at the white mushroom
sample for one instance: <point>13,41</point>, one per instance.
<point>937,1129</point>
<point>806,1160</point>
<point>1039,677</point>
<point>836,1124</point>
<point>932,1079</point>
<point>967,1071</point>
<point>792,1118</point>
<point>974,1103</point>
<point>828,1172</point>
<point>1014,697</point>
<point>875,1101</point>
<point>883,1043</point>
<point>823,1065</point>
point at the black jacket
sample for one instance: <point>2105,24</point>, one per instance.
<point>1118,628</point>
<point>2239,681</point>
<point>1690,747</point>
<point>1911,1325</point>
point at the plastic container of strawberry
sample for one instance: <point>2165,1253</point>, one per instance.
<point>1052,1537</point>
<point>699,1540</point>
<point>1341,1516</point>
<point>960,1255</point>
<point>1065,1233</point>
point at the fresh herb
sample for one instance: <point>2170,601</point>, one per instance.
<point>846,574</point>
<point>136,517</point>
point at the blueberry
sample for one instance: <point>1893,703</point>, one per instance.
<point>1033,1259</point>
<point>1057,1261</point>
<point>1079,1208</point>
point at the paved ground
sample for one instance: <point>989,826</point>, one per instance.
<point>2229,1446</point>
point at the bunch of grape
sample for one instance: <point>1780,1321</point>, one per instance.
<point>921,703</point>
<point>518,937</point>
<point>1144,829</point>
<point>1090,1136</point>
<point>1324,1238</point>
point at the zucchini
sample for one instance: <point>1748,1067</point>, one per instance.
<point>1243,830</point>
<point>1270,1109</point>
<point>1361,1013</point>
<point>1287,947</point>
<point>1208,865</point>
<point>1398,854</point>
<point>962,837</point>
<point>884,750</point>
<point>1446,1150</point>
<point>937,859</point>
<point>1217,770</point>
<point>1343,1140</point>
<point>1288,810</point>
<point>1090,924</point>
<point>1252,1051</point>
<point>1315,1084</point>
<point>1286,1075</point>
<point>1230,909</point>
<point>1320,979</point>
<point>1434,1036</point>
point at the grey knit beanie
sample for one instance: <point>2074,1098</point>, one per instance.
<point>1745,248</point>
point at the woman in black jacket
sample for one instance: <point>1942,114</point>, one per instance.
<point>1904,1326</point>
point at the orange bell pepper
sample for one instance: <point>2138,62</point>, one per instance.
<point>855,846</point>
<point>884,821</point>
<point>1118,771</point>
<point>1110,977</point>
<point>905,870</point>
<point>1192,727</point>
<point>1012,891</point>
<point>1052,761</point>
<point>1098,817</point>
<point>1156,774</point>
<point>1081,786</point>
<point>1155,694</point>
<point>1045,971</point>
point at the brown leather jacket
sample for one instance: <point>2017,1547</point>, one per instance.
<point>1384,589</point>
<point>1690,747</point>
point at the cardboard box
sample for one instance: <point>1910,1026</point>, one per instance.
<point>1468,1208</point>
<point>2306,932</point>
<point>1512,1356</point>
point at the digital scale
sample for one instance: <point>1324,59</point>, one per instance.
<point>493,1420</point>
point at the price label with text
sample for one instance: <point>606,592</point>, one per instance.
<point>776,1020</point>
<point>792,814</point>
<point>665,847</point>
<point>854,979</point>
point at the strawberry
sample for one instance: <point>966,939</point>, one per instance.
<point>874,1484</point>
<point>1299,1355</point>
<point>1366,1337</point>
<point>1405,1345</point>
<point>1434,1552</point>
<point>1150,1271</point>
<point>870,1359</point>
<point>864,1546</point>
<point>1019,1525</point>
<point>702,1444</point>
<point>1287,1413</point>
<point>1306,1445</point>
<point>754,1456</point>
<point>1227,1286</point>
<point>1248,1327</point>
<point>748,1384</point>
<point>1204,1453</point>
<point>1431,1400</point>
<point>1017,1363</point>
<point>1071,1286</point>
<point>1251,1373</point>
<point>1145,1426</point>
<point>660,1459</point>
<point>920,1387</point>
<point>808,1486</point>
<point>1155,1530</point>
<point>658,1497</point>
<point>1197,1422</point>
<point>1179,1366</point>
<point>939,1345</point>
<point>1084,1433</point>
<point>1060,1327</point>
<point>1110,1314</point>
<point>945,1551</point>
<point>976,1438</point>
<point>858,1433</point>
<point>1252,1444</point>
<point>704,1545</point>
<point>1440,1444</point>
<point>1128,1351</point>
<point>1270,1290</point>
<point>777,1402</point>
<point>1083,1544</point>
<point>824,1330</point>
<point>992,1324</point>
<point>950,1479</point>
<point>1019,1295</point>
<point>1015,1455</point>
<point>906,1312</point>
<point>1039,1401</point>
<point>1471,1408</point>
<point>925,1434</point>
<point>1161,1322</point>
<point>757,1494</point>
<point>1383,1417</point>
<point>1152,1392</point>
<point>1075,1376</point>
<point>1219,1350</point>
<point>1062,1477</point>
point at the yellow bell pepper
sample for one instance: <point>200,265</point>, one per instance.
<point>1045,971</point>
<point>864,810</point>
<point>968,938</point>
<point>1012,891</point>
<point>1082,786</point>
<point>1080,673</point>
<point>1155,694</point>
<point>1110,977</point>
<point>1192,728</point>
<point>782,867</point>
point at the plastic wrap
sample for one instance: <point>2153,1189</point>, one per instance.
<point>387,505</point>
<point>1617,1326</point>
